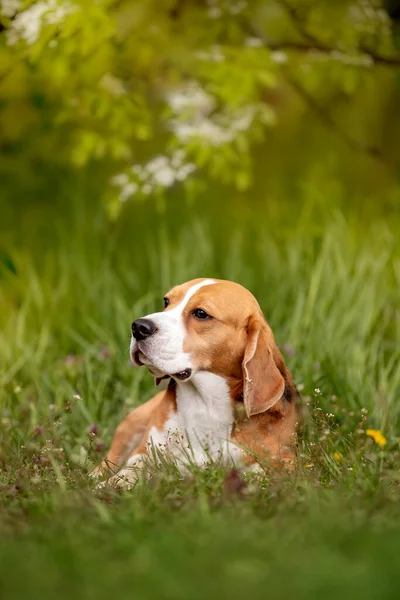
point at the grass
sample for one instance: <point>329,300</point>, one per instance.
<point>330,288</point>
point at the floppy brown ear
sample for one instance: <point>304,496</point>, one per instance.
<point>263,384</point>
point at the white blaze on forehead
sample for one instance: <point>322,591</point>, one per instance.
<point>164,349</point>
<point>191,292</point>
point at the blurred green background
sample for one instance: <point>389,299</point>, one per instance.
<point>144,143</point>
<point>247,107</point>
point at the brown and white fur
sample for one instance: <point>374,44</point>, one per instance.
<point>217,365</point>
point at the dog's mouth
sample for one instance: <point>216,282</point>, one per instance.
<point>136,358</point>
<point>183,375</point>
<point>139,359</point>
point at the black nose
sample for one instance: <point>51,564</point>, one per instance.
<point>142,328</point>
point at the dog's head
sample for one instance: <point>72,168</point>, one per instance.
<point>215,326</point>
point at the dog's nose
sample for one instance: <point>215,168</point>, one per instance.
<point>142,328</point>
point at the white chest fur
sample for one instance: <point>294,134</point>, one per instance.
<point>200,429</point>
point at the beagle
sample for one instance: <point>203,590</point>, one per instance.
<point>230,397</point>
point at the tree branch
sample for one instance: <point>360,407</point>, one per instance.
<point>298,22</point>
<point>313,43</point>
<point>389,61</point>
<point>328,120</point>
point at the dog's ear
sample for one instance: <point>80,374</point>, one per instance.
<point>263,384</point>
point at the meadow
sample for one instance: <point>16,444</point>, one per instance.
<point>327,278</point>
<point>143,144</point>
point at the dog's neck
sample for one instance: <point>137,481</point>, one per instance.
<point>205,408</point>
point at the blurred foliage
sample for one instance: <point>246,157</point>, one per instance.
<point>142,97</point>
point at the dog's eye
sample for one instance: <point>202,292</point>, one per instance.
<point>166,302</point>
<point>201,314</point>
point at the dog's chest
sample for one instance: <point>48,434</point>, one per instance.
<point>200,429</point>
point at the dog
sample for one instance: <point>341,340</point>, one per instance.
<point>229,398</point>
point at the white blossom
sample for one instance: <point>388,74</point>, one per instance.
<point>128,190</point>
<point>214,54</point>
<point>160,172</point>
<point>157,163</point>
<point>27,25</point>
<point>8,8</point>
<point>165,176</point>
<point>279,57</point>
<point>178,158</point>
<point>222,129</point>
<point>182,173</point>
<point>190,98</point>
<point>357,60</point>
<point>205,129</point>
<point>112,84</point>
<point>120,179</point>
<point>235,8</point>
<point>214,12</point>
<point>253,42</point>
<point>216,8</point>
<point>244,118</point>
<point>147,189</point>
<point>192,107</point>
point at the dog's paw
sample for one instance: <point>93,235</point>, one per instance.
<point>96,473</point>
<point>124,480</point>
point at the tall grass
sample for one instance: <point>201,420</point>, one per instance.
<point>330,291</point>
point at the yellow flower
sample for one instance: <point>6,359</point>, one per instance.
<point>337,455</point>
<point>377,436</point>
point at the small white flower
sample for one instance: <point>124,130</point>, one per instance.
<point>183,131</point>
<point>213,132</point>
<point>361,60</point>
<point>147,189</point>
<point>253,42</point>
<point>112,85</point>
<point>137,169</point>
<point>215,54</point>
<point>157,163</point>
<point>128,190</point>
<point>184,171</point>
<point>120,179</point>
<point>237,7</point>
<point>214,12</point>
<point>279,57</point>
<point>165,176</point>
<point>192,98</point>
<point>178,158</point>
<point>244,119</point>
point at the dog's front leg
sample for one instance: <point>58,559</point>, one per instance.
<point>128,476</point>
